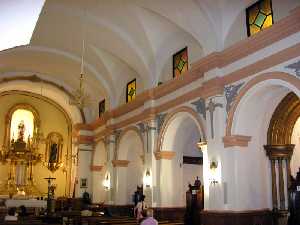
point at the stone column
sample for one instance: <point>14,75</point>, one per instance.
<point>274,186</point>
<point>148,132</point>
<point>110,146</point>
<point>279,153</point>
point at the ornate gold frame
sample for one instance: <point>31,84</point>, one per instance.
<point>37,121</point>
<point>54,138</point>
<point>283,120</point>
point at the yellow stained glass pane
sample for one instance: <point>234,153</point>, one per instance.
<point>254,29</point>
<point>185,68</point>
<point>268,22</point>
<point>131,91</point>
<point>253,13</point>
<point>265,7</point>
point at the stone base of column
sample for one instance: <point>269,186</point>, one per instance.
<point>281,217</point>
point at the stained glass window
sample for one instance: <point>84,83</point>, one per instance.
<point>259,16</point>
<point>131,91</point>
<point>180,62</point>
<point>101,107</point>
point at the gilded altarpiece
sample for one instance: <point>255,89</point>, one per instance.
<point>22,138</point>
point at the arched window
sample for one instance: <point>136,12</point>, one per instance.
<point>22,125</point>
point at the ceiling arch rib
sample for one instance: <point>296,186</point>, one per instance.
<point>56,64</point>
<point>167,38</point>
<point>119,70</point>
<point>100,32</point>
<point>186,15</point>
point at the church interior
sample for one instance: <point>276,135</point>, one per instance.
<point>189,110</point>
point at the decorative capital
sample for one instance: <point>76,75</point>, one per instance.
<point>120,163</point>
<point>279,151</point>
<point>96,168</point>
<point>164,155</point>
<point>236,140</point>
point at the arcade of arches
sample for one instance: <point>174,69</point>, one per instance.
<point>232,120</point>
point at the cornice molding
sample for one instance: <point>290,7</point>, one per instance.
<point>84,139</point>
<point>120,163</point>
<point>96,168</point>
<point>280,30</point>
<point>236,140</point>
<point>168,155</point>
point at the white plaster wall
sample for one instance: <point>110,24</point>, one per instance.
<point>131,149</point>
<point>252,166</point>
<point>238,30</point>
<point>99,194</point>
<point>84,172</point>
<point>295,161</point>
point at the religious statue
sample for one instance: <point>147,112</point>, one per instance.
<point>53,153</point>
<point>21,131</point>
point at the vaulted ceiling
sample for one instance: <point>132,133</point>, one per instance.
<point>124,40</point>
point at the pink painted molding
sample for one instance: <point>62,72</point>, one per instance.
<point>280,30</point>
<point>120,163</point>
<point>236,140</point>
<point>164,155</point>
<point>82,139</point>
<point>96,168</point>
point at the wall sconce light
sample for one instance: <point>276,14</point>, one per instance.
<point>214,172</point>
<point>147,178</point>
<point>202,145</point>
<point>106,182</point>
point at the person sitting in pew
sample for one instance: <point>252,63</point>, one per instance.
<point>23,211</point>
<point>11,215</point>
<point>148,219</point>
<point>86,211</point>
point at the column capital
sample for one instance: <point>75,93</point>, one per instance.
<point>279,151</point>
<point>120,163</point>
<point>164,155</point>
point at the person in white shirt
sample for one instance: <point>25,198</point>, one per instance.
<point>138,209</point>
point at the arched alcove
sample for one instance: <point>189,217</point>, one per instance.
<point>181,134</point>
<point>130,148</point>
<point>250,115</point>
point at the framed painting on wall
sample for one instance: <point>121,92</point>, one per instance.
<point>83,183</point>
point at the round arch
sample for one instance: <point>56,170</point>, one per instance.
<point>172,115</point>
<point>51,93</point>
<point>180,134</point>
<point>250,115</point>
<point>130,148</point>
<point>122,134</point>
<point>278,79</point>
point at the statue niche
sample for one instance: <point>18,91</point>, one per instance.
<point>53,154</point>
<point>20,150</point>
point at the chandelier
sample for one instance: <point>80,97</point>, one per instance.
<point>79,98</point>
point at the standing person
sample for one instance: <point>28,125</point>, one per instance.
<point>138,209</point>
<point>149,220</point>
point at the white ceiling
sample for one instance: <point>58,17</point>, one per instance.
<point>125,39</point>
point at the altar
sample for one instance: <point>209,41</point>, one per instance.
<point>29,203</point>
